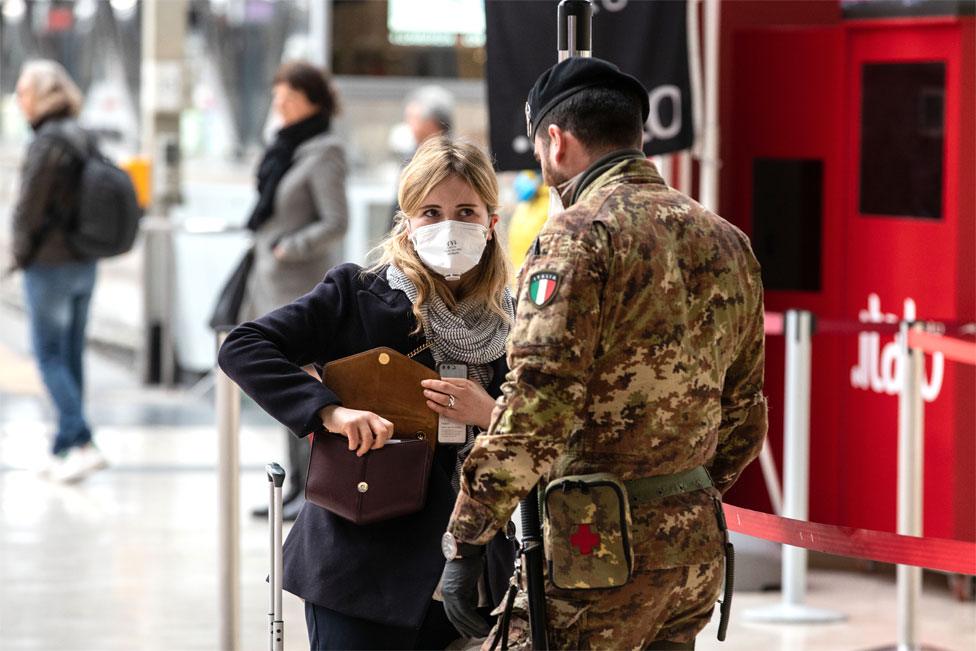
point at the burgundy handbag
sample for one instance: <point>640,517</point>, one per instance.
<point>382,484</point>
<point>391,481</point>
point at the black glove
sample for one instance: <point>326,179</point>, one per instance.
<point>459,585</point>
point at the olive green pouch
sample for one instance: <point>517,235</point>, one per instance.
<point>586,532</point>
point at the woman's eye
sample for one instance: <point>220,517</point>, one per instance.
<point>467,212</point>
<point>430,213</point>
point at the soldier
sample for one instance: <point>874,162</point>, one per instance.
<point>637,372</point>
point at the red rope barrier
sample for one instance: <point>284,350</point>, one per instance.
<point>774,323</point>
<point>953,556</point>
<point>843,327</point>
<point>955,349</point>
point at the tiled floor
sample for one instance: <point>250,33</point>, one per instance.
<point>127,559</point>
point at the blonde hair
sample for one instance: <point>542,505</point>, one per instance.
<point>54,90</point>
<point>436,160</point>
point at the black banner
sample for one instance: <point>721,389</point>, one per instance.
<point>645,38</point>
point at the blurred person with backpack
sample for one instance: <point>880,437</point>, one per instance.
<point>58,279</point>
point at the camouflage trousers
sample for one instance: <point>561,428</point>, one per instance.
<point>671,604</point>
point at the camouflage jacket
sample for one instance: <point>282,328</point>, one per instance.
<point>637,350</point>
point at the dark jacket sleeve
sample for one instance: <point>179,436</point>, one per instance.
<point>265,357</point>
<point>45,159</point>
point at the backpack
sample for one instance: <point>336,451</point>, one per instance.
<point>107,218</point>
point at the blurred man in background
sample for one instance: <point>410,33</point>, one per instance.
<point>428,112</point>
<point>58,283</point>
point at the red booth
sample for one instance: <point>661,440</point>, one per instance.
<point>850,157</point>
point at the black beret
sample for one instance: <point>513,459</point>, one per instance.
<point>572,75</point>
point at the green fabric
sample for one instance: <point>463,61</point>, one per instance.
<point>586,532</point>
<point>665,644</point>
<point>656,488</point>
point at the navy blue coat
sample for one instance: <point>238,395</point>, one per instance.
<point>384,572</point>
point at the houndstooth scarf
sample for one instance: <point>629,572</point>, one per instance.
<point>471,334</point>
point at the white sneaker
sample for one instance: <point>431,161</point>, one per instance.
<point>49,466</point>
<point>96,460</point>
<point>79,463</point>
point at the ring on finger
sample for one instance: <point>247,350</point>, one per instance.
<point>450,401</point>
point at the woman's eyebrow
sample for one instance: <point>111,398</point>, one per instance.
<point>430,205</point>
<point>467,205</point>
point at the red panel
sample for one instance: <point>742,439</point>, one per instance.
<point>899,259</point>
<point>964,494</point>
<point>789,106</point>
<point>796,94</point>
<point>749,15</point>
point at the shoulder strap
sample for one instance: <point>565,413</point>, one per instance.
<point>420,350</point>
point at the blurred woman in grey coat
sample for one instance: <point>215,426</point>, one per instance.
<point>300,217</point>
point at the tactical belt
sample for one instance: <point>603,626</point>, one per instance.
<point>650,489</point>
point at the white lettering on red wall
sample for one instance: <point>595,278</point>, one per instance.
<point>879,368</point>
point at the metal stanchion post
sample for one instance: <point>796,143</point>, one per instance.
<point>228,490</point>
<point>911,455</point>
<point>771,477</point>
<point>158,282</point>
<point>796,475</point>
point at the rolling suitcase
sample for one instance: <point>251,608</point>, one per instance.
<point>276,478</point>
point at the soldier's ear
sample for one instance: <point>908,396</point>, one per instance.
<point>557,143</point>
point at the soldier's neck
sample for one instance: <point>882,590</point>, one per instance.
<point>596,170</point>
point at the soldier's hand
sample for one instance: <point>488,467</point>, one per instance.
<point>459,586</point>
<point>470,405</point>
<point>365,430</point>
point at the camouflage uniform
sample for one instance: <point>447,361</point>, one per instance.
<point>646,360</point>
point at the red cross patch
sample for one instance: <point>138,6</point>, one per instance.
<point>585,540</point>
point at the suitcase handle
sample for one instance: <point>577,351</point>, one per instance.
<point>276,474</point>
<point>276,479</point>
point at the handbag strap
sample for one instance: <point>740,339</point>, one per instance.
<point>420,350</point>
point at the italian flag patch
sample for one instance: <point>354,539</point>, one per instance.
<point>542,287</point>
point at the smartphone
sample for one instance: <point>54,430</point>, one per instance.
<point>449,431</point>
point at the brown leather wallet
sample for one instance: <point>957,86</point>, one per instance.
<point>391,481</point>
<point>386,383</point>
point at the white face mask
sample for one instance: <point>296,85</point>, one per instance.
<point>450,247</point>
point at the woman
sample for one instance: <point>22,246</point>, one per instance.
<point>300,216</point>
<point>58,283</point>
<point>373,586</point>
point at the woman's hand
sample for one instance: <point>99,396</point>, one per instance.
<point>365,430</point>
<point>461,400</point>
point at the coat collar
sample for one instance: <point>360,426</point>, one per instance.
<point>377,284</point>
<point>625,166</point>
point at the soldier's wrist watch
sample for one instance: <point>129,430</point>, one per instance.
<point>453,549</point>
